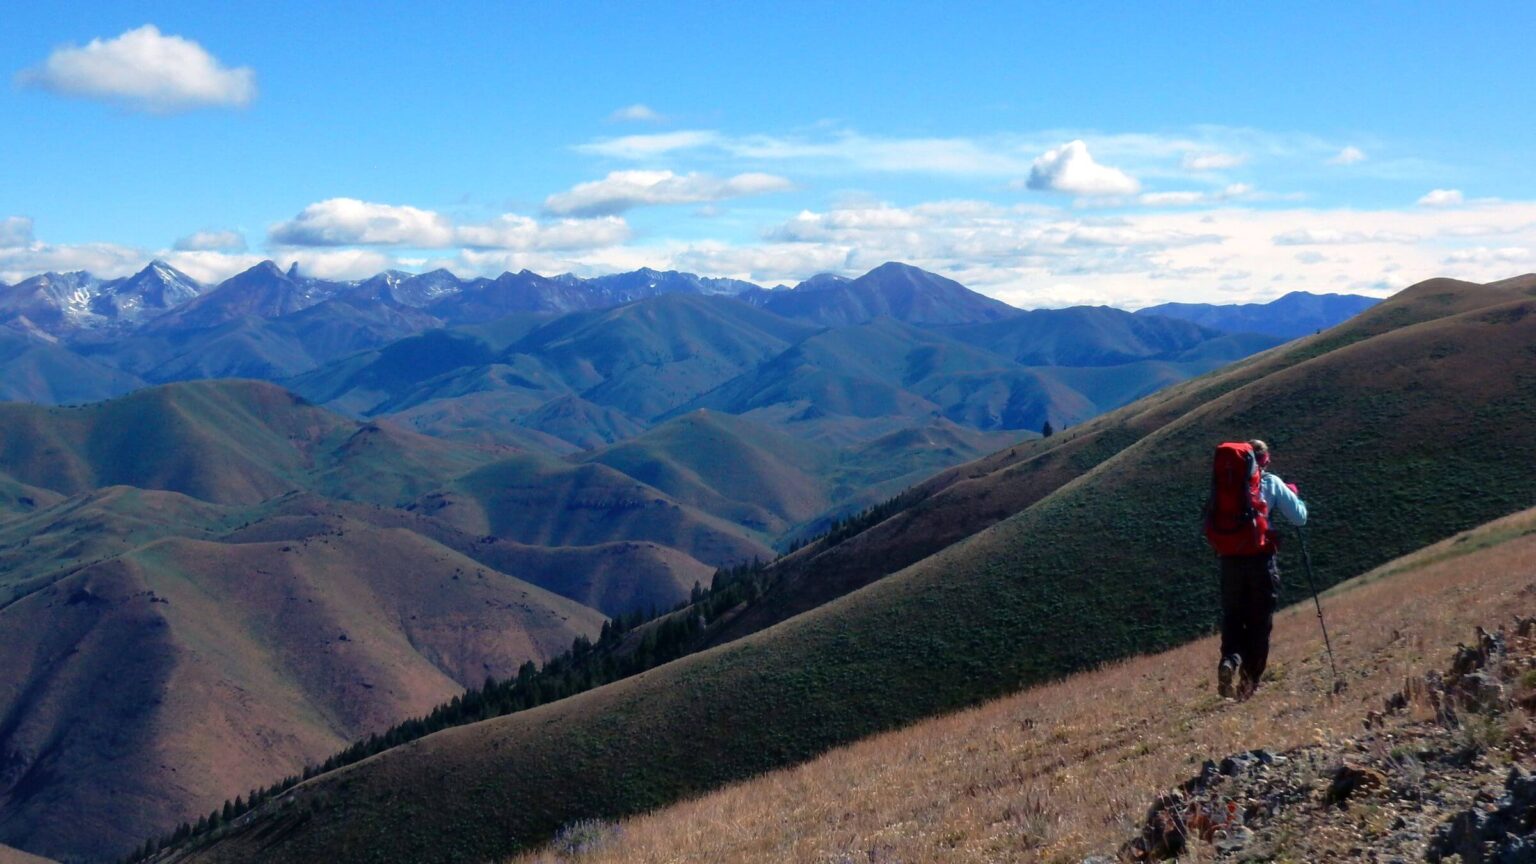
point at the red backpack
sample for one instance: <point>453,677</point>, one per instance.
<point>1236,517</point>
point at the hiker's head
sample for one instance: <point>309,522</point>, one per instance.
<point>1260,452</point>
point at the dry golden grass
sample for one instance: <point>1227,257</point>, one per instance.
<point>1065,770</point>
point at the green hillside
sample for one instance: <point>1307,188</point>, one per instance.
<point>543,501</point>
<point>1401,428</point>
<point>648,357</point>
<point>230,442</point>
<point>726,465</point>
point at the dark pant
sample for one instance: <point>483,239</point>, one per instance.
<point>1250,590</point>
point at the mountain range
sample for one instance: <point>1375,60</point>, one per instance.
<point>215,582</point>
<point>1053,555</point>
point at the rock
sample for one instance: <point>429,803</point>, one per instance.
<point>1466,661</point>
<point>1503,833</point>
<point>1232,839</point>
<point>1480,691</point>
<point>1351,780</point>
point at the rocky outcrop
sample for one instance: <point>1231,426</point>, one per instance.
<point>1455,787</point>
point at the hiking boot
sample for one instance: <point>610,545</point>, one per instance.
<point>1225,675</point>
<point>1246,684</point>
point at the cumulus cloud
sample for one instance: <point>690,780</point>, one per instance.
<point>350,222</point>
<point>1441,198</point>
<point>145,70</point>
<point>1071,168</point>
<point>625,190</point>
<point>347,221</point>
<point>103,259</point>
<point>15,231</point>
<point>211,241</point>
<point>1214,161</point>
<point>1347,156</point>
<point>636,113</point>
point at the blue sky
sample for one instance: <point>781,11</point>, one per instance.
<point>1044,154</point>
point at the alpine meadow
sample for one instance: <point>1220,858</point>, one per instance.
<point>588,433</point>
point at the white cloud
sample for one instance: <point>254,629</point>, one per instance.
<point>1232,192</point>
<point>1348,156</point>
<point>1485,255</point>
<point>1071,168</point>
<point>1441,198</point>
<point>625,190</point>
<point>350,222</point>
<point>1214,161</point>
<point>837,152</point>
<point>347,221</point>
<point>1337,237</point>
<point>1028,256</point>
<point>636,113</point>
<point>211,241</point>
<point>637,147</point>
<point>209,266</point>
<point>15,231</point>
<point>510,231</point>
<point>143,70</point>
<point>102,259</point>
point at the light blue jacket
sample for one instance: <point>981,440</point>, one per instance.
<point>1282,500</point>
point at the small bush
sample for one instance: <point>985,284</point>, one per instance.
<point>585,836</point>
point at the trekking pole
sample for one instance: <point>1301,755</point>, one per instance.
<point>1306,557</point>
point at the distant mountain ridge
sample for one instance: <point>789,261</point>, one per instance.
<point>1295,314</point>
<point>75,304</point>
<point>891,290</point>
<point>566,363</point>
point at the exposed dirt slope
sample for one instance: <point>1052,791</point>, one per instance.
<point>146,689</point>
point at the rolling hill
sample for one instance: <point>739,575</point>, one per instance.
<point>1058,771</point>
<point>207,586</point>
<point>542,501</point>
<point>229,442</point>
<point>138,687</point>
<point>1399,426</point>
<point>34,370</point>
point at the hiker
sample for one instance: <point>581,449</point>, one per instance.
<point>1244,497</point>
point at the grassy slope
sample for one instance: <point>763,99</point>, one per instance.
<point>231,442</point>
<point>961,501</point>
<point>1061,771</point>
<point>645,358</point>
<point>1398,439</point>
<point>730,466</point>
<point>39,372</point>
<point>9,855</point>
<point>615,578</point>
<point>537,500</point>
<point>145,689</point>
